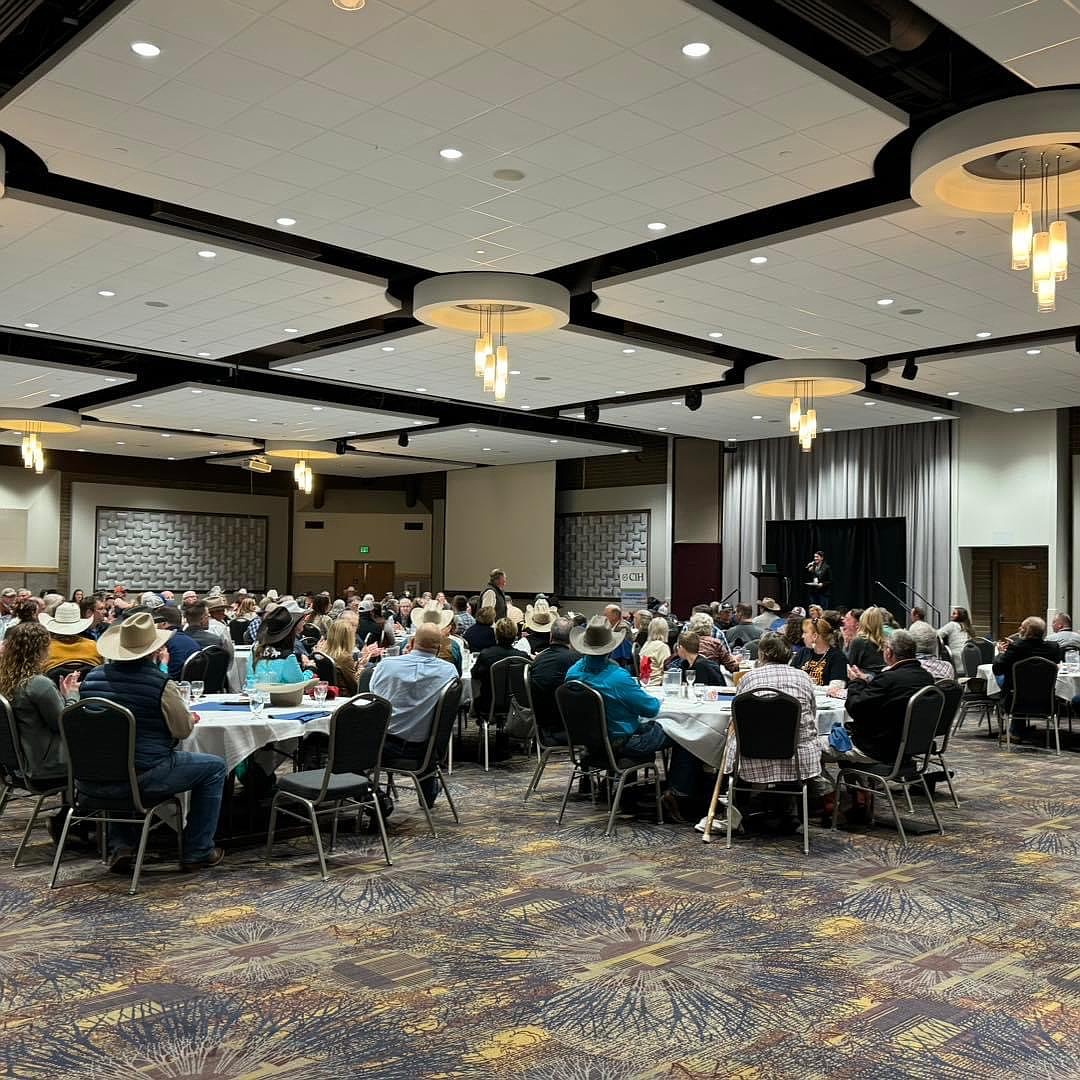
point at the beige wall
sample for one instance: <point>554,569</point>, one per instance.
<point>29,519</point>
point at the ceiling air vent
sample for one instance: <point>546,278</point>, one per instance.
<point>14,12</point>
<point>858,27</point>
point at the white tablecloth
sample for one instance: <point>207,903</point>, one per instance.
<point>239,668</point>
<point>235,735</point>
<point>1068,682</point>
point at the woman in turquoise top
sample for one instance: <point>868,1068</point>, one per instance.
<point>274,660</point>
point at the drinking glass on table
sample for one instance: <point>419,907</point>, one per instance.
<point>256,701</point>
<point>197,688</point>
<point>185,692</point>
<point>691,678</point>
<point>318,692</point>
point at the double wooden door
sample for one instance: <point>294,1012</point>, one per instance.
<point>365,576</point>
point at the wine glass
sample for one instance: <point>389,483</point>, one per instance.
<point>197,688</point>
<point>318,692</point>
<point>691,678</point>
<point>256,701</point>
<point>185,692</point>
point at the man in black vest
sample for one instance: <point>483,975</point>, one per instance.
<point>493,595</point>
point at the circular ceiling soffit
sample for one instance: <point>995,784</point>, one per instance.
<point>298,450</point>
<point>784,378</point>
<point>969,162</point>
<point>523,304</point>
<point>42,421</point>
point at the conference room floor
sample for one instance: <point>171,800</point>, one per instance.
<point>509,947</point>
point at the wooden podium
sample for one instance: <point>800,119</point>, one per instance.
<point>769,584</point>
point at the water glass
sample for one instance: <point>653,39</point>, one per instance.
<point>672,683</point>
<point>318,692</point>
<point>691,678</point>
<point>256,701</point>
<point>185,692</point>
<point>197,688</point>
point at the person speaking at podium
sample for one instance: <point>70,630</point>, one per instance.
<point>819,581</point>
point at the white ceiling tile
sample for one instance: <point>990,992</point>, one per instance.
<point>739,130</point>
<point>212,22</point>
<point>503,130</point>
<point>496,80</point>
<point>814,103</point>
<point>559,47</point>
<point>564,152</point>
<point>337,25</point>
<point>283,46</point>
<point>272,129</point>
<point>421,47</point>
<point>630,24</point>
<point>108,78</point>
<point>625,78</point>
<point>617,173</point>
<point>620,131</point>
<point>555,102</point>
<point>431,102</point>
<point>236,78</point>
<point>490,29</point>
<point>685,106</point>
<point>362,80</point>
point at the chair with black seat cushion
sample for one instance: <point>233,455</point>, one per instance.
<point>363,680</point>
<point>238,631</point>
<point>976,699</point>
<point>1033,697</point>
<point>767,727</point>
<point>99,743</point>
<point>81,667</point>
<point>14,778</point>
<point>921,720</point>
<point>210,666</point>
<point>591,752</point>
<point>987,649</point>
<point>429,764</point>
<point>500,676</point>
<point>953,692</point>
<point>312,635</point>
<point>326,669</point>
<point>348,782</point>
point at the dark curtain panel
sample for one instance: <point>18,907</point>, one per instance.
<point>860,551</point>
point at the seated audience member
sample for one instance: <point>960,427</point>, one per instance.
<point>412,684</point>
<point>1064,636</point>
<point>132,678</point>
<point>463,618</point>
<point>926,651</point>
<point>218,622</point>
<point>743,630</point>
<point>768,613</point>
<point>849,628</point>
<point>180,645</point>
<point>66,627</point>
<point>274,658</point>
<point>814,611</point>
<point>197,627</point>
<point>431,614</point>
<point>505,636</point>
<point>656,650</point>
<point>916,614</point>
<point>539,618</point>
<point>793,634</point>
<point>820,657</point>
<point>867,649</point>
<point>1031,642</point>
<point>94,609</point>
<point>713,645</point>
<point>151,601</point>
<point>642,619</point>
<point>78,596</point>
<point>623,654</point>
<point>340,646</point>
<point>956,633</point>
<point>774,672</point>
<point>247,609</point>
<point>368,630</point>
<point>688,658</point>
<point>547,674</point>
<point>877,705</point>
<point>481,635</point>
<point>320,613</point>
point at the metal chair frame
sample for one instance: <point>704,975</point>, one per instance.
<point>55,674</point>
<point>1032,668</point>
<point>914,744</point>
<point>104,816</point>
<point>567,697</point>
<point>950,689</point>
<point>14,776</point>
<point>500,703</point>
<point>357,764</point>
<point>975,698</point>
<point>207,658</point>
<point>544,751</point>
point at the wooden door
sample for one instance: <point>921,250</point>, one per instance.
<point>365,576</point>
<point>695,573</point>
<point>1021,589</point>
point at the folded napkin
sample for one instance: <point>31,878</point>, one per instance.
<point>221,706</point>
<point>302,715</point>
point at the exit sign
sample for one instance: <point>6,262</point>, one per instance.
<point>364,549</point>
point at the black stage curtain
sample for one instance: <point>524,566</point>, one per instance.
<point>860,551</point>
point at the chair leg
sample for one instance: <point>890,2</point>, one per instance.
<point>140,855</point>
<point>450,753</point>
<point>907,796</point>
<point>424,806</point>
<point>446,792</point>
<point>933,808</point>
<point>836,798</point>
<point>659,797</point>
<point>382,825</point>
<point>615,804</point>
<point>4,796</point>
<point>271,827</point>
<point>179,806</point>
<point>26,832</point>
<point>333,826</point>
<point>318,839</point>
<point>484,726</point>
<point>805,820</point>
<point>895,814</point>
<point>1057,735</point>
<point>534,783</point>
<point>730,807</point>
<point>566,794</point>
<point>60,847</point>
<point>948,780</point>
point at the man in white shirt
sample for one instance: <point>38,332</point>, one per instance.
<point>1064,634</point>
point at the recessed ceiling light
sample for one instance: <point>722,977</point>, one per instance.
<point>885,301</point>
<point>486,448</point>
<point>674,402</point>
<point>481,251</point>
<point>197,429</point>
<point>206,253</point>
<point>629,352</point>
<point>196,391</point>
<point>472,430</point>
<point>31,325</point>
<point>286,221</point>
<point>79,450</point>
<point>298,370</point>
<point>695,49</point>
<point>624,451</point>
<point>316,408</point>
<point>202,354</point>
<point>136,405</point>
<point>212,452</point>
<point>1034,352</point>
<point>756,416</point>
<point>619,393</point>
<point>166,435</point>
<point>870,404</point>
<point>418,423</point>
<point>290,330</point>
<point>172,459</point>
<point>450,153</point>
<point>656,226</point>
<point>553,441</point>
<point>716,333</point>
<point>352,433</point>
<point>1018,410</point>
<point>121,444</point>
<point>661,429</point>
<point>514,371</point>
<point>253,419</point>
<point>826,429</point>
<point>525,408</point>
<point>954,393</point>
<point>983,334</point>
<point>106,292</point>
<point>421,389</point>
<point>145,48</point>
<point>759,260</point>
<point>388,348</point>
<point>109,378</point>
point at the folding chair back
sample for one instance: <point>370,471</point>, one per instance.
<point>583,713</point>
<point>238,631</point>
<point>195,667</point>
<point>518,677</point>
<point>1034,683</point>
<point>99,743</point>
<point>357,734</point>
<point>61,670</point>
<point>326,669</point>
<point>12,765</point>
<point>501,675</point>
<point>952,692</point>
<point>973,657</point>
<point>766,724</point>
<point>987,649</point>
<point>216,670</point>
<point>921,721</point>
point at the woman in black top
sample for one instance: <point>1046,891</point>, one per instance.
<point>481,634</point>
<point>866,651</point>
<point>821,659</point>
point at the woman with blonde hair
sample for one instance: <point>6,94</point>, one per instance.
<point>821,659</point>
<point>867,650</point>
<point>340,646</point>
<point>656,650</point>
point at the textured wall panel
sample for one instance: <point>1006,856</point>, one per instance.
<point>590,548</point>
<point>158,549</point>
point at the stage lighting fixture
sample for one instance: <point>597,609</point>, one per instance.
<point>403,440</point>
<point>692,400</point>
<point>341,447</point>
<point>911,369</point>
<point>592,412</point>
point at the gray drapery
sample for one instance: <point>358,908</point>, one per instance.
<point>900,471</point>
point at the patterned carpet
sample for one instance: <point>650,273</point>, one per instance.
<point>510,948</point>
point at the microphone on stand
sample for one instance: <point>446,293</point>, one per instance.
<point>725,599</point>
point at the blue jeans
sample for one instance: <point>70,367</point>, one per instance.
<point>201,774</point>
<point>648,738</point>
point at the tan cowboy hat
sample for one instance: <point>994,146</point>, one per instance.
<point>66,619</point>
<point>431,613</point>
<point>540,616</point>
<point>515,614</point>
<point>597,638</point>
<point>134,638</point>
<point>768,603</point>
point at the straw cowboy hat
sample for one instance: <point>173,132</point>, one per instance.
<point>597,638</point>
<point>768,603</point>
<point>540,616</point>
<point>134,638</point>
<point>431,613</point>
<point>66,619</point>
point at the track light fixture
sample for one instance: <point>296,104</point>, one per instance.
<point>341,447</point>
<point>692,400</point>
<point>911,369</point>
<point>403,440</point>
<point>592,412</point>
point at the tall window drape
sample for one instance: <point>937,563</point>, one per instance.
<point>900,471</point>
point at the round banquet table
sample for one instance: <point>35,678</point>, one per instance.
<point>239,668</point>
<point>1068,682</point>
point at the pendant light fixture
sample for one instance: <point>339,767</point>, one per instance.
<point>32,424</point>
<point>1045,252</point>
<point>491,360</point>
<point>1059,237</point>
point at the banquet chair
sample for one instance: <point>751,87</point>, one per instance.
<point>99,744</point>
<point>953,693</point>
<point>429,765</point>
<point>55,674</point>
<point>14,779</point>
<point>921,720</point>
<point>1033,697</point>
<point>238,630</point>
<point>326,669</point>
<point>591,753</point>
<point>500,677</point>
<point>349,781</point>
<point>210,666</point>
<point>976,699</point>
<point>987,649</point>
<point>767,727</point>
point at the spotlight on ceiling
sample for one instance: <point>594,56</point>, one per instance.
<point>911,369</point>
<point>341,447</point>
<point>592,412</point>
<point>403,440</point>
<point>692,399</point>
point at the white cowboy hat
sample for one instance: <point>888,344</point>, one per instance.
<point>134,638</point>
<point>66,619</point>
<point>597,638</point>
<point>515,614</point>
<point>540,616</point>
<point>431,613</point>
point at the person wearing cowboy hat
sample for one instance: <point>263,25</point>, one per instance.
<point>132,678</point>
<point>274,658</point>
<point>539,618</point>
<point>180,645</point>
<point>768,613</point>
<point>66,626</point>
<point>431,614</point>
